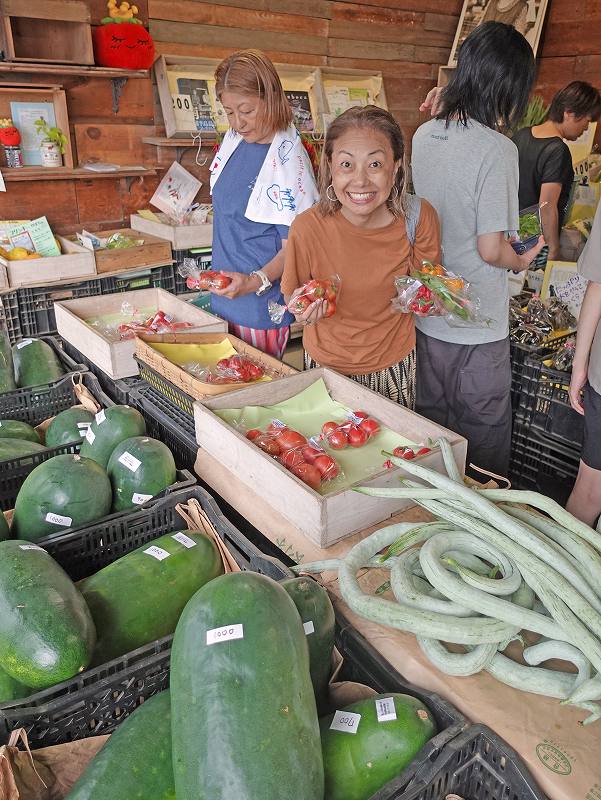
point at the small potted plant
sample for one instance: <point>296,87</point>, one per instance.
<point>52,145</point>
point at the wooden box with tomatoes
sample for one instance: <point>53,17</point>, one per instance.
<point>234,430</point>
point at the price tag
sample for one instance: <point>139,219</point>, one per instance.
<point>385,709</point>
<point>157,552</point>
<point>277,423</point>
<point>309,627</point>
<point>31,547</point>
<point>225,634</point>
<point>345,722</point>
<point>90,436</point>
<point>183,539</point>
<point>129,461</point>
<point>24,343</point>
<point>100,417</point>
<point>84,426</point>
<point>57,519</point>
<point>140,499</point>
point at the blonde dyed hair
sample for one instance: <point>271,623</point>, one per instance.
<point>379,120</point>
<point>250,72</point>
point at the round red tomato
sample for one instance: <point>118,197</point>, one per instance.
<point>253,433</point>
<point>328,427</point>
<point>308,473</point>
<point>330,308</point>
<point>316,289</point>
<point>361,414</point>
<point>300,305</point>
<point>328,467</point>
<point>289,439</point>
<point>357,437</point>
<point>310,453</point>
<point>268,444</point>
<point>337,439</point>
<point>291,458</point>
<point>403,452</point>
<point>370,426</point>
<point>276,428</point>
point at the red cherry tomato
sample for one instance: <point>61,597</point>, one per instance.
<point>330,308</point>
<point>300,305</point>
<point>328,427</point>
<point>308,473</point>
<point>310,453</point>
<point>361,414</point>
<point>370,426</point>
<point>315,289</point>
<point>253,433</point>
<point>403,452</point>
<point>331,292</point>
<point>289,439</point>
<point>328,467</point>
<point>357,437</point>
<point>268,444</point>
<point>337,439</point>
<point>423,450</point>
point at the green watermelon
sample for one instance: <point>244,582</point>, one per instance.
<point>35,363</point>
<point>139,468</point>
<point>15,429</point>
<point>69,426</point>
<point>18,448</point>
<point>7,372</point>
<point>110,427</point>
<point>11,689</point>
<point>65,491</point>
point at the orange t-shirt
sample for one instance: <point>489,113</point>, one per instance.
<point>365,334</point>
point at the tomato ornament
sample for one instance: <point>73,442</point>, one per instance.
<point>10,136</point>
<point>121,40</point>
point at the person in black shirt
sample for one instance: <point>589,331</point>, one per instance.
<point>546,172</point>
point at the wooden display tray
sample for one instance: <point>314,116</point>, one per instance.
<point>182,237</point>
<point>154,252</point>
<point>322,519</point>
<point>116,359</point>
<point>75,262</point>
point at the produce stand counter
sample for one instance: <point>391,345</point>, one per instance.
<point>562,755</point>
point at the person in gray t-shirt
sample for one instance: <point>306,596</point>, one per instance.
<point>466,167</point>
<point>585,500</point>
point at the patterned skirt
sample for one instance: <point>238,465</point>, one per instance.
<point>396,382</point>
<point>272,341</point>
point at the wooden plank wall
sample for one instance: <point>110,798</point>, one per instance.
<point>406,39</point>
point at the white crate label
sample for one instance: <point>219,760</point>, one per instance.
<point>84,426</point>
<point>157,552</point>
<point>24,343</point>
<point>129,461</point>
<point>277,423</point>
<point>58,519</point>
<point>31,547</point>
<point>309,627</point>
<point>345,722</point>
<point>225,634</point>
<point>183,539</point>
<point>385,709</point>
<point>100,417</point>
<point>0,423</point>
<point>90,436</point>
<point>139,499</point>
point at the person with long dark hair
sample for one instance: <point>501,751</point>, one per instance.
<point>465,165</point>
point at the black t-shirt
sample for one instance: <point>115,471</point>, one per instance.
<point>545,160</point>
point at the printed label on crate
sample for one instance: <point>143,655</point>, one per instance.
<point>31,547</point>
<point>129,461</point>
<point>24,343</point>
<point>309,627</point>
<point>345,722</point>
<point>140,499</point>
<point>90,436</point>
<point>183,539</point>
<point>157,552</point>
<point>225,634</point>
<point>100,417</point>
<point>58,519</point>
<point>385,709</point>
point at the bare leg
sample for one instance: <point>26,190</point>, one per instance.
<point>585,500</point>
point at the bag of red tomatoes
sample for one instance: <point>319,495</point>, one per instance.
<point>235,369</point>
<point>202,279</point>
<point>316,289</point>
<point>355,431</point>
<point>303,457</point>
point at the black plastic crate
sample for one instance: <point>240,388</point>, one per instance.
<point>14,471</point>
<point>172,393</point>
<point>202,258</point>
<point>476,765</point>
<point>96,701</point>
<point>9,315</point>
<point>521,352</point>
<point>41,402</point>
<point>36,304</point>
<point>118,390</point>
<point>541,464</point>
<point>168,423</point>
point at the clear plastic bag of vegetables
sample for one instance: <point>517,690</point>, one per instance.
<point>530,228</point>
<point>235,369</point>
<point>432,291</point>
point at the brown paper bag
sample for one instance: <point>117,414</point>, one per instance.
<point>86,400</point>
<point>196,520</point>
<point>343,693</point>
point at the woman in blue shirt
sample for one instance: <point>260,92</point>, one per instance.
<point>261,178</point>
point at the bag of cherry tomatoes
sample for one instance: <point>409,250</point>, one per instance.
<point>316,289</point>
<point>431,291</point>
<point>202,279</point>
<point>303,457</point>
<point>235,369</point>
<point>355,431</point>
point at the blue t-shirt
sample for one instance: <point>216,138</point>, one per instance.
<point>240,245</point>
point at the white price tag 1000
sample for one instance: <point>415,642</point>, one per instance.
<point>58,519</point>
<point>139,499</point>
<point>157,552</point>
<point>129,461</point>
<point>24,343</point>
<point>345,722</point>
<point>31,547</point>
<point>90,436</point>
<point>183,539</point>
<point>309,627</point>
<point>100,417</point>
<point>225,634</point>
<point>385,709</point>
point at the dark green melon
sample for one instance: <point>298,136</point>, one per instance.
<point>68,426</point>
<point>139,468</point>
<point>35,363</point>
<point>16,429</point>
<point>7,371</point>
<point>109,428</point>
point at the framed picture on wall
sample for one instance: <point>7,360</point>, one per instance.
<point>527,16</point>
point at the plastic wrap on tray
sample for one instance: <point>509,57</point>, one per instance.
<point>326,289</point>
<point>530,228</point>
<point>355,430</point>
<point>563,359</point>
<point>132,321</point>
<point>432,291</point>
<point>235,369</point>
<point>202,279</point>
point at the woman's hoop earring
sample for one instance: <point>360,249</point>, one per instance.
<point>331,199</point>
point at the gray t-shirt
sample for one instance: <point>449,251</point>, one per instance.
<point>589,266</point>
<point>470,176</point>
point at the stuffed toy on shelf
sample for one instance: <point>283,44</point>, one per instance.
<point>121,40</point>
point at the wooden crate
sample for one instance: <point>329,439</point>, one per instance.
<point>117,358</point>
<point>56,31</point>
<point>323,519</point>
<point>75,262</point>
<point>154,252</point>
<point>182,237</point>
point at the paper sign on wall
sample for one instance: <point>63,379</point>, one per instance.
<point>176,192</point>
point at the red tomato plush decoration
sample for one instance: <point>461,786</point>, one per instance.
<point>10,136</point>
<point>126,45</point>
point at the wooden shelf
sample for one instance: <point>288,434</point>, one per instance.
<point>67,174</point>
<point>70,69</point>
<point>177,141</point>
